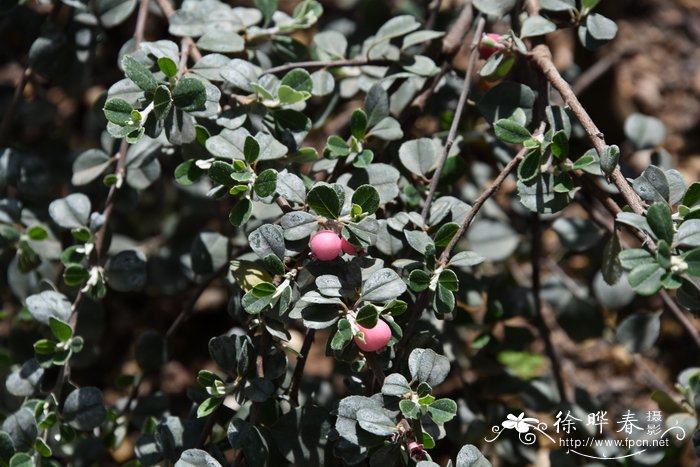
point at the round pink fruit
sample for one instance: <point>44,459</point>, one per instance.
<point>348,247</point>
<point>375,338</point>
<point>489,45</point>
<point>326,245</point>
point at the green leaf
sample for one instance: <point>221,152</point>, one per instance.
<point>443,300</point>
<point>89,165</point>
<point>167,66</point>
<point>139,74</point>
<point>600,27</point>
<point>383,285</point>
<point>376,105</point>
<point>367,316</point>
<point>241,212</point>
<point>220,172</point>
<point>612,266</point>
<point>560,145</point>
<point>75,274</point>
<point>251,149</point>
<point>510,131</point>
<point>44,347</point>
<point>396,385</point>
<point>266,183</point>
<point>409,409</point>
<point>376,422</point>
<point>84,408</point>
<point>529,167</point>
<point>337,145</point>
<point>419,156</point>
<point>633,257</point>
<point>645,279</point>
<point>470,456</point>
<point>367,197</point>
<point>189,95</point>
<point>209,406</point>
<point>448,279</point>
<point>22,459</point>
<point>497,66</point>
<point>118,111</point>
<point>692,195</point>
<point>61,330</point>
<point>584,161</point>
<point>221,41</point>
<point>427,366</point>
<point>639,331</point>
<point>495,8</point>
<point>127,271</point>
<point>324,201</point>
<point>71,212</point>
<point>38,233</point>
<point>659,219</point>
<point>299,80</point>
<point>609,159</point>
<point>198,458</point>
<point>445,233</point>
<point>358,124</point>
<point>536,25</point>
<point>689,233</point>
<point>342,336</point>
<point>505,100</point>
<point>188,173</point>
<point>162,101</point>
<point>442,410</point>
<point>692,259</point>
<point>418,280</point>
<point>113,12</point>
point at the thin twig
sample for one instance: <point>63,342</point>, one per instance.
<point>140,23</point>
<point>168,11</point>
<point>329,64</point>
<point>672,306</point>
<point>299,368</point>
<point>188,309</point>
<point>542,57</point>
<point>450,46</point>
<point>490,191</point>
<point>545,333</point>
<point>424,297</point>
<point>12,108</point>
<point>375,367</point>
<point>455,120</point>
<point>680,316</point>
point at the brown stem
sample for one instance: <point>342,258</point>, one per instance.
<point>376,369</point>
<point>12,108</point>
<point>330,64</point>
<point>490,191</point>
<point>544,330</point>
<point>680,316</point>
<point>455,120</point>
<point>140,23</point>
<point>542,57</point>
<point>188,309</point>
<point>450,46</point>
<point>299,368</point>
<point>168,11</point>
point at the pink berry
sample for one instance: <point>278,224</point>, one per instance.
<point>348,247</point>
<point>488,45</point>
<point>375,338</point>
<point>326,245</point>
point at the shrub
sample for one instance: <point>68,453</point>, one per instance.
<point>280,156</point>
